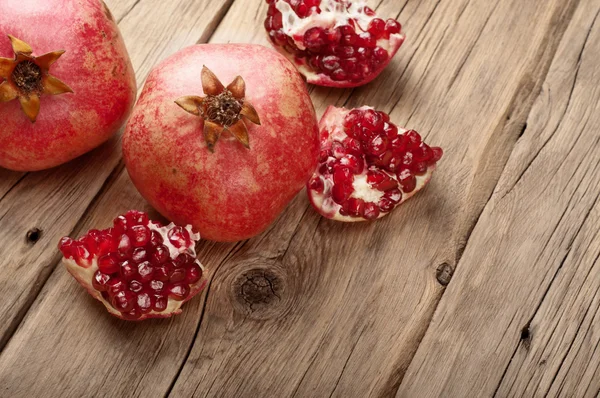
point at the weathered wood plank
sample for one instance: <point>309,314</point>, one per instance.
<point>521,316</point>
<point>53,201</point>
<point>352,302</point>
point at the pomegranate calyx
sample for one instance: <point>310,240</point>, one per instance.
<point>26,78</point>
<point>222,109</point>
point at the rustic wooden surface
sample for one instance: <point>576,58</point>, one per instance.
<point>485,284</point>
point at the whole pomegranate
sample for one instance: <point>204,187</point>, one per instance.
<point>66,81</point>
<point>336,43</point>
<point>138,269</point>
<point>225,159</point>
<point>367,166</point>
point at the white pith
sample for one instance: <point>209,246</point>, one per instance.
<point>332,121</point>
<point>85,275</point>
<point>333,15</point>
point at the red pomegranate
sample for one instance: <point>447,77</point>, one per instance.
<point>336,43</point>
<point>367,166</point>
<point>66,81</point>
<point>226,160</point>
<point>138,269</point>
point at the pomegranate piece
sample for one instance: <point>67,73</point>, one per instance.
<point>335,43</point>
<point>66,81</point>
<point>223,137</point>
<point>394,164</point>
<point>132,285</point>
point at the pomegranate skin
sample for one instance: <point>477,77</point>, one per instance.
<point>95,65</point>
<point>234,193</point>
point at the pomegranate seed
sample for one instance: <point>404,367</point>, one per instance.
<point>377,145</point>
<point>146,271</point>
<point>369,11</point>
<point>136,286</point>
<point>437,153</point>
<point>132,315</point>
<point>124,248</point>
<point>161,273</point>
<point>140,235</point>
<point>312,3</point>
<point>140,254</point>
<point>399,144</point>
<point>356,207</point>
<point>124,301</point>
<point>407,180</point>
<point>157,286</point>
<point>345,51</point>
<point>135,217</point>
<point>115,285</point>
<point>66,246</point>
<point>193,274</point>
<point>330,63</point>
<point>341,192</point>
<point>160,303</point>
<point>353,145</point>
<point>334,36</point>
<point>316,184</point>
<point>183,259</point>
<point>179,237</point>
<point>392,27</point>
<point>367,40</point>
<point>160,255</point>
<point>375,177</point>
<point>177,275</point>
<point>419,168</point>
<point>394,164</point>
<point>353,162</point>
<point>377,27</point>
<point>108,264</point>
<point>387,184</point>
<point>128,270</point>
<point>156,238</point>
<point>100,281</point>
<point>386,205</point>
<point>363,53</point>
<point>106,244</point>
<point>408,159</point>
<point>395,195</point>
<point>277,21</point>
<point>379,56</point>
<point>339,75</point>
<point>349,65</point>
<point>302,10</point>
<point>373,119</point>
<point>315,62</point>
<point>414,139</point>
<point>144,302</point>
<point>324,155</point>
<point>342,175</point>
<point>371,211</point>
<point>314,39</point>
<point>178,291</point>
<point>81,254</point>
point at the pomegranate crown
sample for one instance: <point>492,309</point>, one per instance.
<point>26,77</point>
<point>222,109</point>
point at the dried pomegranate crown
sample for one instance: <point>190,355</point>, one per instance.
<point>221,109</point>
<point>26,77</point>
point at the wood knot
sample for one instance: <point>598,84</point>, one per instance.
<point>444,274</point>
<point>33,235</point>
<point>258,292</point>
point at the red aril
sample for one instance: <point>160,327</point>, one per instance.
<point>131,286</point>
<point>66,82</point>
<point>222,138</point>
<point>336,43</point>
<point>383,165</point>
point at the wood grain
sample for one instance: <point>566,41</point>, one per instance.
<point>531,268</point>
<point>316,308</point>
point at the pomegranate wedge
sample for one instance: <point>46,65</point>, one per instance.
<point>367,166</point>
<point>138,268</point>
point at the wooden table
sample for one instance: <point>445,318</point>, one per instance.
<point>485,284</point>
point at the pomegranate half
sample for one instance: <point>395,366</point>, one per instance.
<point>367,165</point>
<point>139,268</point>
<point>66,82</point>
<point>225,159</point>
<point>336,43</point>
